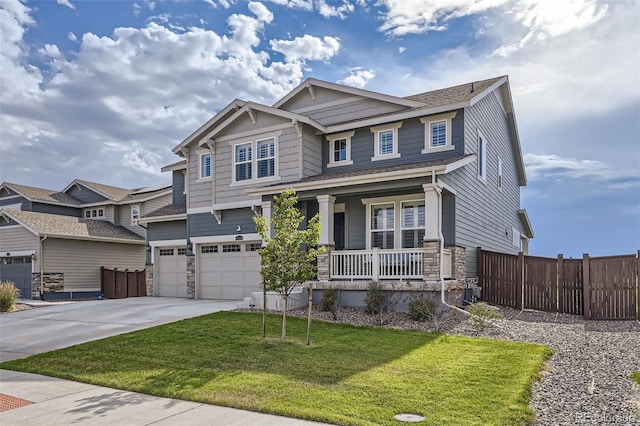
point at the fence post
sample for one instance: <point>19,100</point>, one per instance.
<point>101,279</point>
<point>560,284</point>
<point>586,286</point>
<point>520,282</point>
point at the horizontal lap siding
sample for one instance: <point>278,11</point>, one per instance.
<point>178,188</point>
<point>304,100</point>
<point>352,111</point>
<point>53,209</point>
<point>85,195</point>
<point>17,238</point>
<point>485,215</point>
<point>26,204</point>
<point>80,261</point>
<point>174,230</point>
<point>312,153</point>
<point>205,224</point>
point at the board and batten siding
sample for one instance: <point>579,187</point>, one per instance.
<point>484,214</point>
<point>80,260</point>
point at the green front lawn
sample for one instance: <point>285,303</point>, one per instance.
<point>636,376</point>
<point>349,375</point>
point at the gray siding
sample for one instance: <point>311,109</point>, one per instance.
<point>355,223</point>
<point>179,196</point>
<point>304,99</point>
<point>448,218</point>
<point>485,215</point>
<point>410,145</point>
<point>174,230</point>
<point>26,204</point>
<point>201,191</point>
<point>311,153</point>
<point>53,209</point>
<point>85,195</point>
<point>80,261</point>
<point>205,224</point>
<point>16,238</point>
<point>357,110</point>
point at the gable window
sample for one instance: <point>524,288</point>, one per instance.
<point>205,166</point>
<point>395,222</point>
<point>135,213</point>
<point>386,141</point>
<point>499,174</point>
<point>255,160</point>
<point>340,149</point>
<point>266,157</point>
<point>482,157</point>
<point>437,133</point>
<point>94,213</point>
<point>243,160</point>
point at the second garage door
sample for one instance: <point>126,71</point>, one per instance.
<point>229,271</point>
<point>172,272</point>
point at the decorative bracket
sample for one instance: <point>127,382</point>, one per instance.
<point>312,91</point>
<point>252,115</point>
<point>218,215</point>
<point>298,126</point>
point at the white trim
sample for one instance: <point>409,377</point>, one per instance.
<point>2,228</point>
<point>428,121</point>
<point>366,178</point>
<point>133,220</point>
<point>516,237</point>
<point>166,218</point>
<point>483,158</point>
<point>17,253</point>
<point>397,201</point>
<point>254,161</point>
<point>197,210</point>
<point>168,243</point>
<point>500,175</point>
<point>227,239</point>
<point>200,170</point>
<point>11,196</point>
<point>338,136</point>
<point>331,104</point>
<point>100,239</point>
<point>258,133</point>
<point>180,165</point>
<point>237,204</point>
<point>376,130</point>
<point>15,206</point>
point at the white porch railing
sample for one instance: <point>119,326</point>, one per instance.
<point>382,264</point>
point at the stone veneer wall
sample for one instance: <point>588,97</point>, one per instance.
<point>191,276</point>
<point>53,282</point>
<point>324,260</point>
<point>431,261</point>
<point>458,266</point>
<point>148,275</point>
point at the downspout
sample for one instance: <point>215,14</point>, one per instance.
<point>41,257</point>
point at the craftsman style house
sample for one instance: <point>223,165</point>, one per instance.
<point>406,187</point>
<point>66,236</point>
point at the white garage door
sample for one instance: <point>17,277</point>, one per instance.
<point>229,271</point>
<point>172,272</point>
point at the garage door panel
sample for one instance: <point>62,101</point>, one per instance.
<point>232,292</point>
<point>211,292</point>
<point>229,275</point>
<point>172,272</point>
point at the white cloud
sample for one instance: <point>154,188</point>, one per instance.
<point>401,49</point>
<point>295,4</point>
<point>329,11</point>
<point>358,78</point>
<point>224,3</point>
<point>71,36</point>
<point>66,3</point>
<point>307,47</point>
<point>262,13</point>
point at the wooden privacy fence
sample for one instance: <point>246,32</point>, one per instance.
<point>115,284</point>
<point>595,287</point>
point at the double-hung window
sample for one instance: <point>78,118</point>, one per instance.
<point>437,132</point>
<point>243,159</point>
<point>135,213</point>
<point>340,149</point>
<point>412,224</point>
<point>383,225</point>
<point>385,141</point>
<point>205,166</point>
<point>482,157</point>
<point>395,222</point>
<point>266,150</point>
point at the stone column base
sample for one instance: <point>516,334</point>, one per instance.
<point>431,261</point>
<point>458,263</point>
<point>148,275</point>
<point>191,277</point>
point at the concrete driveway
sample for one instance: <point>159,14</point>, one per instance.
<point>62,325</point>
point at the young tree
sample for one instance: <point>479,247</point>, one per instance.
<point>288,258</point>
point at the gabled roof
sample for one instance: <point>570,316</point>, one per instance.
<point>33,193</point>
<point>451,95</point>
<point>178,165</point>
<point>167,213</point>
<point>58,226</point>
<point>117,194</point>
<point>310,83</point>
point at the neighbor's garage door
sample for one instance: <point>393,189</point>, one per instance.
<point>172,272</point>
<point>229,271</point>
<point>18,271</point>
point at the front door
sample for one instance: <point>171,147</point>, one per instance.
<point>339,230</point>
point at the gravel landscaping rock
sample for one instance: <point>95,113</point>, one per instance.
<point>586,381</point>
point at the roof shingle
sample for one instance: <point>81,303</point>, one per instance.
<point>453,95</point>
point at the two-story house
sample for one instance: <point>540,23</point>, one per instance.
<point>406,187</point>
<point>66,236</point>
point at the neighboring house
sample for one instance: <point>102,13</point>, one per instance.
<point>66,236</point>
<point>406,187</point>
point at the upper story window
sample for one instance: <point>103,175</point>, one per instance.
<point>205,166</point>
<point>499,174</point>
<point>340,149</point>
<point>255,160</point>
<point>96,213</point>
<point>482,157</point>
<point>386,141</point>
<point>437,133</point>
<point>135,213</point>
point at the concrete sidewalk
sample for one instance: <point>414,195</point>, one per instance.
<point>63,402</point>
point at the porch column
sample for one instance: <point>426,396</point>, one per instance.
<point>432,232</point>
<point>267,210</point>
<point>327,203</point>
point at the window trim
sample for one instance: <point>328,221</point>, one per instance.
<point>135,207</point>
<point>500,175</point>
<point>516,237</point>
<point>428,121</point>
<point>483,148</point>
<point>200,169</point>
<point>397,200</point>
<point>338,136</point>
<point>254,161</point>
<point>377,130</point>
<point>94,213</point>
<point>258,159</point>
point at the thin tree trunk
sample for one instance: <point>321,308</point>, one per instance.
<point>310,312</point>
<point>284,318</point>
<point>264,311</point>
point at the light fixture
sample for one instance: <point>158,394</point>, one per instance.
<point>33,256</point>
<point>238,228</point>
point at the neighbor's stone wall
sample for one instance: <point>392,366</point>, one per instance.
<point>324,260</point>
<point>191,276</point>
<point>52,282</point>
<point>431,261</point>
<point>458,263</point>
<point>148,276</point>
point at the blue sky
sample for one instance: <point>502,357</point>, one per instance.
<point>102,90</point>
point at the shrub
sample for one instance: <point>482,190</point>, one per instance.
<point>421,308</point>
<point>8,296</point>
<point>330,301</point>
<point>482,315</point>
<point>377,298</point>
